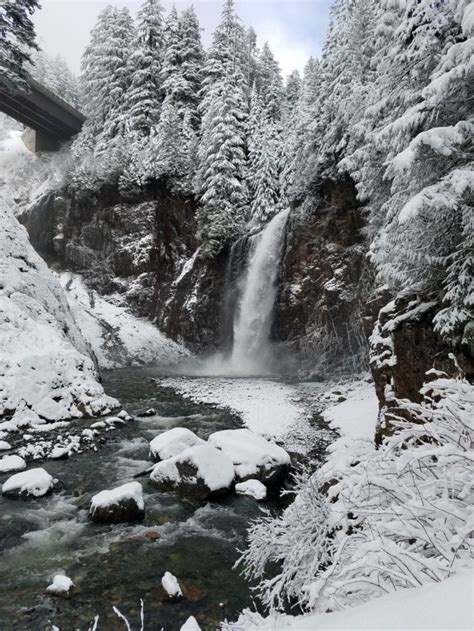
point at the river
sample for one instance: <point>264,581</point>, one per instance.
<point>117,565</point>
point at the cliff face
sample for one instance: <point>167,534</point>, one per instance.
<point>325,280</point>
<point>139,254</point>
<point>144,255</point>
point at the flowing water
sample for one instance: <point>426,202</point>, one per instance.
<point>120,564</point>
<point>252,352</point>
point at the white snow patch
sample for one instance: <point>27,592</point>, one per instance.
<point>36,482</point>
<point>254,488</point>
<point>438,606</point>
<point>11,463</point>
<point>191,625</point>
<point>4,445</point>
<point>171,586</point>
<point>129,491</point>
<point>249,452</point>
<point>173,442</point>
<point>61,584</point>
<point>267,407</point>
<point>355,417</point>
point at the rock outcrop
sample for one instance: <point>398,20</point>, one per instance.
<point>406,352</point>
<point>325,282</point>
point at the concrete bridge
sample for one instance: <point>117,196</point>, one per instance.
<point>51,121</point>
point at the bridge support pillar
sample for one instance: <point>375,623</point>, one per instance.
<point>37,141</point>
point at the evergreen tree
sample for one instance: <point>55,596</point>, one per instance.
<point>171,71</point>
<point>192,62</point>
<point>17,38</point>
<point>142,100</point>
<point>267,196</point>
<point>222,163</point>
<point>270,83</point>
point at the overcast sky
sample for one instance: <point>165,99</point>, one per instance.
<point>295,29</point>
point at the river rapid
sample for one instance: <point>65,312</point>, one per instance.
<point>117,565</point>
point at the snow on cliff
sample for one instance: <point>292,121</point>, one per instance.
<point>117,337</point>
<point>46,372</point>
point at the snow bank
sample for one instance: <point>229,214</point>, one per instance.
<point>201,469</point>
<point>173,442</point>
<point>36,482</point>
<point>171,586</point>
<point>45,368</point>
<point>251,454</point>
<point>266,407</point>
<point>254,488</point>
<point>439,606</point>
<point>116,336</point>
<point>61,585</point>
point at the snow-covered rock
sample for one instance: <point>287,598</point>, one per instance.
<point>200,471</point>
<point>254,488</point>
<point>4,445</point>
<point>11,463</point>
<point>45,367</point>
<point>61,585</point>
<point>122,504</point>
<point>171,586</point>
<point>253,456</point>
<point>173,442</point>
<point>35,482</point>
<point>191,625</point>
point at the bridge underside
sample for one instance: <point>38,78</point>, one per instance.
<point>53,120</point>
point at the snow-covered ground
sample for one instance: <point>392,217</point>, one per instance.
<point>445,606</point>
<point>267,407</point>
<point>116,336</point>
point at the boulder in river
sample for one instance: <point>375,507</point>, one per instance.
<point>11,463</point>
<point>122,504</point>
<point>202,472</point>
<point>60,586</point>
<point>252,455</point>
<point>254,488</point>
<point>34,483</point>
<point>173,442</point>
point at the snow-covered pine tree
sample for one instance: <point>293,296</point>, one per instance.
<point>165,155</point>
<point>226,56</point>
<point>267,194</point>
<point>192,63</point>
<point>142,100</point>
<point>17,39</point>
<point>270,83</point>
<point>221,172</point>
<point>171,67</point>
<point>220,181</point>
<point>99,148</point>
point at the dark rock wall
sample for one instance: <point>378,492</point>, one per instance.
<point>325,282</point>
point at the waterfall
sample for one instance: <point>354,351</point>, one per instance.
<point>251,352</point>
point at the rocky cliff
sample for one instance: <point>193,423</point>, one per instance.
<point>325,282</point>
<point>144,254</point>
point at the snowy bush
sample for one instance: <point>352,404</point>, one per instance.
<point>399,517</point>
